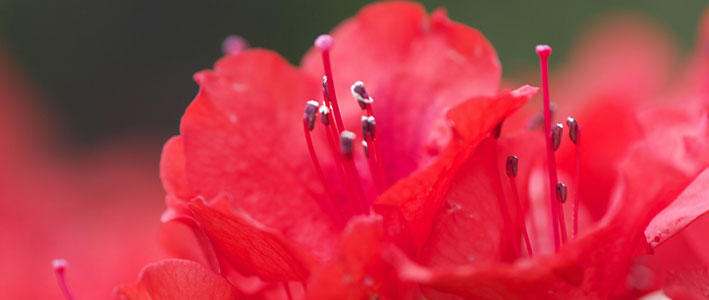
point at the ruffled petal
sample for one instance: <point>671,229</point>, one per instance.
<point>178,279</point>
<point>359,270</point>
<point>473,207</point>
<point>172,169</point>
<point>419,197</point>
<point>688,284</point>
<point>248,246</point>
<point>242,136</point>
<point>415,67</point>
<point>691,204</point>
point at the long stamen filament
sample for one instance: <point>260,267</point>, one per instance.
<point>512,162</point>
<point>333,205</point>
<point>575,136</point>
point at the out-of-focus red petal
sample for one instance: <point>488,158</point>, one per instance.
<point>358,271</point>
<point>415,67</point>
<point>178,279</point>
<point>688,284</point>
<point>172,169</point>
<point>242,136</point>
<point>249,246</point>
<point>420,195</point>
<point>691,204</point>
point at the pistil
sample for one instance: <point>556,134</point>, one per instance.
<point>324,43</point>
<point>544,51</point>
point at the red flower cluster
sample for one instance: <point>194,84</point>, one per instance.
<point>437,199</point>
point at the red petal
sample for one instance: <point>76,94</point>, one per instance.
<point>472,211</point>
<point>691,204</point>
<point>248,246</point>
<point>590,266</point>
<point>172,169</point>
<point>178,279</point>
<point>242,136</point>
<point>419,196</point>
<point>358,271</point>
<point>415,67</point>
<point>688,284</point>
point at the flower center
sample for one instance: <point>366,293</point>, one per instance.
<point>336,134</point>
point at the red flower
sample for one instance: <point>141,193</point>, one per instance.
<point>427,208</point>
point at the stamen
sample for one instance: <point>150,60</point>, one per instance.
<point>324,43</point>
<point>368,127</point>
<point>324,112</point>
<point>511,169</point>
<point>234,45</point>
<point>365,102</point>
<point>59,266</point>
<point>365,148</point>
<point>311,113</point>
<point>544,51</point>
<point>346,139</point>
<point>497,130</point>
<point>561,192</point>
<point>360,94</point>
<point>346,148</point>
<point>308,125</point>
<point>508,230</point>
<point>561,197</point>
<point>575,136</point>
<point>556,132</point>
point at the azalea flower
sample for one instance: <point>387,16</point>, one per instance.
<point>412,188</point>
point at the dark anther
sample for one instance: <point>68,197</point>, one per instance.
<point>324,87</point>
<point>360,94</point>
<point>324,114</point>
<point>365,146</point>
<point>573,129</point>
<point>497,130</point>
<point>368,127</point>
<point>346,140</point>
<point>311,113</point>
<point>556,131</point>
<point>511,167</point>
<point>561,192</point>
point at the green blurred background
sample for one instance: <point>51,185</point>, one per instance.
<point>109,68</point>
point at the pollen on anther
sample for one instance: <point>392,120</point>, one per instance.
<point>368,127</point>
<point>360,94</point>
<point>311,113</point>
<point>324,114</point>
<point>573,129</point>
<point>556,133</point>
<point>324,42</point>
<point>346,142</point>
<point>365,147</point>
<point>511,167</point>
<point>561,192</point>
